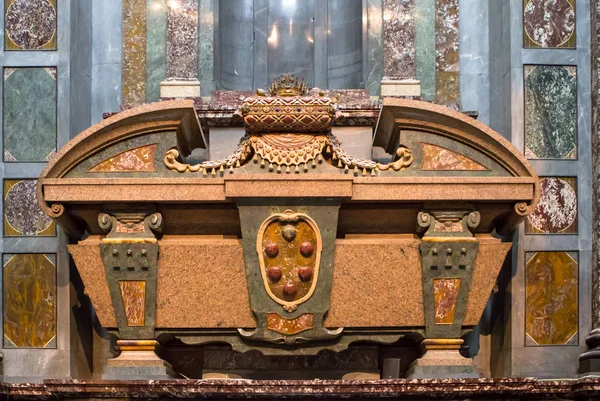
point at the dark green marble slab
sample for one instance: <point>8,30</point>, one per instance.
<point>550,112</point>
<point>29,114</point>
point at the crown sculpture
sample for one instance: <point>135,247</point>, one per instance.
<point>288,85</point>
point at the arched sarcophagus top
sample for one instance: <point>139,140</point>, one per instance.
<point>291,233</point>
<point>438,155</point>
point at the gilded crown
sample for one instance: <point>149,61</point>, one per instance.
<point>288,85</point>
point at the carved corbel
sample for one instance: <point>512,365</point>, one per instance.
<point>130,254</point>
<point>448,253</point>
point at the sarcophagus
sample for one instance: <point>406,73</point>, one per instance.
<point>290,245</point>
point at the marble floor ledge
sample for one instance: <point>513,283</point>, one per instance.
<point>422,389</point>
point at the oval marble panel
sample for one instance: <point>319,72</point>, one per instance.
<point>557,209</point>
<point>30,24</point>
<point>549,23</point>
<point>22,214</point>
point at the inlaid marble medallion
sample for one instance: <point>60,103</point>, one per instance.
<point>30,24</point>
<point>29,294</point>
<point>445,291</point>
<point>133,295</point>
<point>140,159</point>
<point>551,306</point>
<point>22,214</point>
<point>557,210</point>
<point>550,112</point>
<point>29,114</point>
<point>549,23</point>
<point>436,158</point>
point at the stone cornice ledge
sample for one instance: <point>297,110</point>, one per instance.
<point>474,389</point>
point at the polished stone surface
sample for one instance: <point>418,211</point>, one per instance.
<point>29,114</point>
<point>399,38</point>
<point>557,210</point>
<point>182,39</point>
<point>22,213</point>
<point>29,297</point>
<point>550,112</point>
<point>473,389</point>
<point>374,46</point>
<point>133,74</point>
<point>156,48</point>
<point>425,53</point>
<point>30,24</point>
<point>549,23</point>
<point>552,315</point>
<point>206,51</point>
<point>447,60</point>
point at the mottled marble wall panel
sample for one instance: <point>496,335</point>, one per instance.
<point>133,73</point>
<point>182,39</point>
<point>29,297</point>
<point>557,210</point>
<point>206,51</point>
<point>22,214</point>
<point>29,127</point>
<point>549,23</point>
<point>550,112</point>
<point>447,60</point>
<point>399,39</point>
<point>374,46</point>
<point>425,54</point>
<point>156,48</point>
<point>30,24</point>
<point>551,301</point>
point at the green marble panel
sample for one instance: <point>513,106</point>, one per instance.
<point>425,46</point>
<point>374,46</point>
<point>156,48</point>
<point>550,112</point>
<point>206,53</point>
<point>29,114</point>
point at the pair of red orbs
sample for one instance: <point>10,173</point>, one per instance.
<point>275,273</point>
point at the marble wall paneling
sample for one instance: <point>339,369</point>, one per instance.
<point>238,25</point>
<point>344,44</point>
<point>425,54</point>
<point>447,60</point>
<point>374,46</point>
<point>22,214</point>
<point>551,304</point>
<point>291,40</point>
<point>557,210</point>
<point>29,114</point>
<point>156,47</point>
<point>29,297</point>
<point>30,24</point>
<point>182,39</point>
<point>206,51</point>
<point>549,23</point>
<point>133,74</point>
<point>550,112</point>
<point>399,39</point>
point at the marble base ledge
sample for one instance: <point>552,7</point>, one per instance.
<point>179,89</point>
<point>423,389</point>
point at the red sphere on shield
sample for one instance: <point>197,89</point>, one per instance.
<point>307,249</point>
<point>274,273</point>
<point>271,249</point>
<point>305,274</point>
<point>289,290</point>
